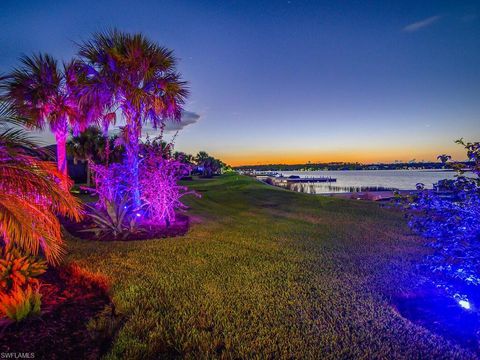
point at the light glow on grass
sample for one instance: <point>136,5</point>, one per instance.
<point>464,304</point>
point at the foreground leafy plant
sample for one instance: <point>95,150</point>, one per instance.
<point>19,286</point>
<point>19,304</point>
<point>19,270</point>
<point>449,216</point>
<point>32,193</point>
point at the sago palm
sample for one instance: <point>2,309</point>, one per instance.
<point>42,92</point>
<point>131,74</point>
<point>32,193</point>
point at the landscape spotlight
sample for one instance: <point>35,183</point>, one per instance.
<point>464,304</point>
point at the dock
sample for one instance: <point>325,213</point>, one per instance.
<point>287,181</point>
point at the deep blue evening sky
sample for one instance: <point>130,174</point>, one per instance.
<point>287,81</point>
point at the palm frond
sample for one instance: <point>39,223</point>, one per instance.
<point>15,138</point>
<point>32,193</point>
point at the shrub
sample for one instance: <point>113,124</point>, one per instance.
<point>114,220</point>
<point>19,287</point>
<point>449,216</point>
<point>159,191</point>
<point>18,270</point>
<point>19,304</point>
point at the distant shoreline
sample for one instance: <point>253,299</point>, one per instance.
<point>424,170</point>
<point>424,166</point>
<point>357,195</point>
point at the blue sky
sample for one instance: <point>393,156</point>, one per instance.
<point>290,81</point>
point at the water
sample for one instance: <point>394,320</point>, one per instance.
<point>364,180</point>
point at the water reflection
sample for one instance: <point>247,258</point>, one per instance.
<point>323,188</point>
<point>367,180</point>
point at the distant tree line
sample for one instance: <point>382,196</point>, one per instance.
<point>347,166</point>
<point>91,145</point>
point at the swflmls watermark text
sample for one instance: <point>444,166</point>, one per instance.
<point>17,355</point>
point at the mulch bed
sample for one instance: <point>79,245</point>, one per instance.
<point>145,231</point>
<point>71,297</point>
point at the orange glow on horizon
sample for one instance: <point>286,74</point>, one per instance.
<point>362,156</point>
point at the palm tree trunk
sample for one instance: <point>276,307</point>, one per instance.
<point>89,175</point>
<point>132,149</point>
<point>61,137</point>
<point>107,150</point>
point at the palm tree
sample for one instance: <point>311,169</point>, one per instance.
<point>158,146</point>
<point>87,146</point>
<point>183,157</point>
<point>32,193</point>
<point>206,163</point>
<point>42,92</point>
<point>201,157</point>
<point>444,158</point>
<point>131,74</point>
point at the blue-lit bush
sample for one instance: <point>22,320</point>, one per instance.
<point>449,216</point>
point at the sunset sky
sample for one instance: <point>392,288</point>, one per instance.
<point>293,81</point>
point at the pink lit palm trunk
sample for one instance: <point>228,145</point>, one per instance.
<point>132,149</point>
<point>61,138</point>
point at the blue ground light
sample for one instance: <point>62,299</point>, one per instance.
<point>464,304</point>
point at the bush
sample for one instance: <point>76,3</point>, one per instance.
<point>19,304</point>
<point>449,216</point>
<point>158,190</point>
<point>19,270</point>
<point>19,287</point>
<point>115,220</point>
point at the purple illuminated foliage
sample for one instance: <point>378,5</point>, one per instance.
<point>158,188</point>
<point>160,192</point>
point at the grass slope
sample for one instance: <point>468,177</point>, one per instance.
<point>267,273</point>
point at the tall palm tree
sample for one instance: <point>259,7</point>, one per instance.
<point>42,92</point>
<point>201,157</point>
<point>87,146</point>
<point>32,193</point>
<point>131,74</point>
<point>203,160</point>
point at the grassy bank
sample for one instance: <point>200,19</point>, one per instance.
<point>269,273</point>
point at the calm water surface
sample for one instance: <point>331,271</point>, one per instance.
<point>360,180</point>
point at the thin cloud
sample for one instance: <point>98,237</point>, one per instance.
<point>188,118</point>
<point>421,24</point>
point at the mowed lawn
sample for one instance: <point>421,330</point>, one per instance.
<point>267,273</point>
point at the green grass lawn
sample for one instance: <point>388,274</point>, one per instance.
<point>265,272</point>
